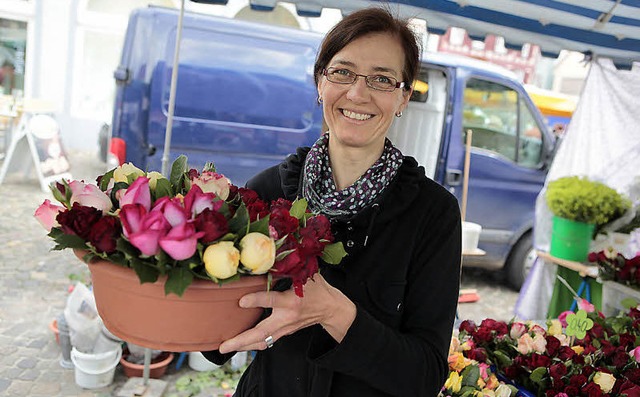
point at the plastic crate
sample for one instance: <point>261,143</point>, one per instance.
<point>613,293</point>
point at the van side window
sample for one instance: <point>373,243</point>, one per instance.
<point>501,122</point>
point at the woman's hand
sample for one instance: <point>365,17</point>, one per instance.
<point>322,304</point>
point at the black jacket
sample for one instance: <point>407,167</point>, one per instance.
<point>404,283</point>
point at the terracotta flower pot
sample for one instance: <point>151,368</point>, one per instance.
<point>156,370</point>
<point>203,317</point>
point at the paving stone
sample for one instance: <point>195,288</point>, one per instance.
<point>4,384</point>
<point>27,363</point>
<point>29,374</point>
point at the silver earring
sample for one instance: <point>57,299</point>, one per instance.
<point>399,114</point>
<point>319,100</point>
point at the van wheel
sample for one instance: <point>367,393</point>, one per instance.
<point>520,262</point>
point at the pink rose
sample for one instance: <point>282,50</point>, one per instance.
<point>180,242</point>
<point>211,182</point>
<point>137,193</point>
<point>89,195</point>
<point>563,318</point>
<point>585,305</point>
<point>46,214</point>
<point>517,330</point>
<point>172,210</point>
<point>196,201</point>
<point>539,344</point>
<point>143,229</point>
<point>635,354</point>
<point>525,344</point>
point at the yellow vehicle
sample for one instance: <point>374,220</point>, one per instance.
<point>556,108</point>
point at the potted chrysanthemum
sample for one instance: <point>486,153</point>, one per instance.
<point>196,242</point>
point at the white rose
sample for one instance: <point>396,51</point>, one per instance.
<point>605,381</point>
<point>154,176</point>
<point>210,182</point>
<point>221,259</point>
<point>257,252</point>
<point>122,172</point>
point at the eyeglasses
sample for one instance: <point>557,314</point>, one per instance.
<point>376,81</point>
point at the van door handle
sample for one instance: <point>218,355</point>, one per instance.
<point>454,177</point>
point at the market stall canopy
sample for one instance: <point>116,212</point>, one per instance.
<point>604,28</point>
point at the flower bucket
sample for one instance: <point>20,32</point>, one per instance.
<point>93,371</point>
<point>613,293</point>
<point>198,362</point>
<point>570,240</point>
<point>201,319</point>
<point>157,368</point>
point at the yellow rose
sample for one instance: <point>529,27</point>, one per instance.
<point>554,327</point>
<point>257,252</point>
<point>153,179</point>
<point>221,259</point>
<point>122,172</point>
<point>454,382</point>
<point>604,380</point>
<point>577,349</point>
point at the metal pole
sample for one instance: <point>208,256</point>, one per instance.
<point>172,95</point>
<point>147,366</point>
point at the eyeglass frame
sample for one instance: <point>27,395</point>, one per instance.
<point>399,84</point>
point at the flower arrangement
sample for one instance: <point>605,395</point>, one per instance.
<point>190,225</point>
<point>578,354</point>
<point>582,200</point>
<point>612,265</point>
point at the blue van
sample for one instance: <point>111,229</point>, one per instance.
<point>246,98</point>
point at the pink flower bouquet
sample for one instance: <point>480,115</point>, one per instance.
<point>191,225</point>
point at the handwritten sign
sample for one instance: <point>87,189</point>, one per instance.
<point>578,324</point>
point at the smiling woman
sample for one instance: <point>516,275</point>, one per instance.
<point>362,328</point>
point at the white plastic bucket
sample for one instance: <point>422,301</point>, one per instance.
<point>470,236</point>
<point>197,362</point>
<point>94,371</point>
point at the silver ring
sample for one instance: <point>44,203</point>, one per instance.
<point>269,341</point>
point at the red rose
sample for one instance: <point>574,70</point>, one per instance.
<point>478,354</point>
<point>627,340</point>
<point>499,326</point>
<point>539,360</point>
<point>620,358</point>
<point>630,389</point>
<point>248,196</point>
<point>566,353</point>
<point>317,227</point>
<point>512,371</point>
<point>634,313</point>
<point>553,345</point>
<point>212,223</point>
<point>468,326</point>
<point>104,234</point>
<point>78,220</point>
<point>597,331</point>
<point>557,371</point>
<point>633,375</point>
<point>592,390</point>
<point>281,203</point>
<point>577,380</point>
<point>483,335</point>
<point>571,391</point>
<point>257,210</point>
<point>282,221</point>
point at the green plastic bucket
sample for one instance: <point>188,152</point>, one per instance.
<point>570,240</point>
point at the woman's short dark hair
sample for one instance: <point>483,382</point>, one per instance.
<point>363,22</point>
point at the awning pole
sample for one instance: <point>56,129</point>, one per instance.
<point>172,95</point>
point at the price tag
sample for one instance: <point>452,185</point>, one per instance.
<point>578,324</point>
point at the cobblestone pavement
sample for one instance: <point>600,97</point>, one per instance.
<point>34,283</point>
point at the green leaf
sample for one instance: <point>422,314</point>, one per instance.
<point>145,272</point>
<point>333,253</point>
<point>125,246</point>
<point>66,240</point>
<point>537,375</point>
<point>163,188</point>
<point>503,359</point>
<point>260,226</point>
<point>470,375</point>
<point>178,280</point>
<point>240,221</point>
<point>209,167</point>
<point>178,169</point>
<point>298,208</point>
<point>283,254</point>
<point>628,303</point>
<point>104,182</point>
<point>117,186</point>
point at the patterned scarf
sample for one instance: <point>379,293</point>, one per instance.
<point>320,190</point>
